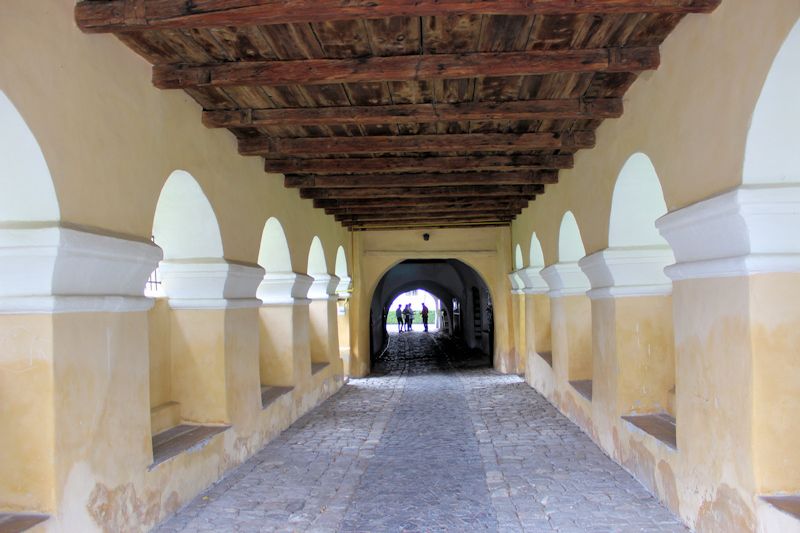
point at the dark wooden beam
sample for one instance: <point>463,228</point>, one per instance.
<point>404,68</point>
<point>457,208</point>
<point>404,215</point>
<point>535,177</point>
<point>566,108</point>
<point>438,202</point>
<point>418,164</point>
<point>425,220</point>
<point>463,142</point>
<point>424,192</point>
<point>136,15</point>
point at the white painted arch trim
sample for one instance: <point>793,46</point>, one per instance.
<point>749,230</point>
<point>533,282</point>
<point>323,287</point>
<point>516,282</point>
<point>210,284</point>
<point>343,289</point>
<point>565,279</point>
<point>628,272</point>
<point>284,288</point>
<point>51,268</point>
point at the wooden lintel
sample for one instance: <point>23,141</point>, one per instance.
<point>424,220</point>
<point>462,142</point>
<point>137,15</point>
<point>404,215</point>
<point>545,177</point>
<point>385,165</point>
<point>333,207</point>
<point>558,109</point>
<point>404,68</point>
<point>424,192</point>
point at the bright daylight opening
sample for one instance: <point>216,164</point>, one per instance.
<point>412,301</point>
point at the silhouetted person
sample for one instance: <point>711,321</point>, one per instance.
<point>425,316</point>
<point>399,315</point>
<point>407,316</point>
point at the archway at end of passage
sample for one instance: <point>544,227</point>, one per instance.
<point>414,299</point>
<point>467,303</point>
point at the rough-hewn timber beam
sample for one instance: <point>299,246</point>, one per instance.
<point>535,177</point>
<point>565,108</point>
<point>404,68</point>
<point>133,15</point>
<point>424,192</point>
<point>422,220</point>
<point>418,164</point>
<point>463,208</point>
<point>437,202</point>
<point>462,142</point>
<point>402,215</point>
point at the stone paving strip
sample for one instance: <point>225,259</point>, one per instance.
<point>424,447</point>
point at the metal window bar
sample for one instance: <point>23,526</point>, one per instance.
<point>153,283</point>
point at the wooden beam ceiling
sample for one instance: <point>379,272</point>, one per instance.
<point>566,108</point>
<point>404,68</point>
<point>424,192</point>
<point>434,203</point>
<point>472,142</point>
<point>420,180</point>
<point>386,165</point>
<point>136,15</point>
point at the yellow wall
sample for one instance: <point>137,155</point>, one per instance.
<point>158,327</point>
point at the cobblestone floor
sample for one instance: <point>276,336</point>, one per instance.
<point>428,447</point>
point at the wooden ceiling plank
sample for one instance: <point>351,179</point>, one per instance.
<point>405,215</point>
<point>385,165</point>
<point>484,142</point>
<point>419,180</point>
<point>424,192</point>
<point>420,203</point>
<point>404,68</point>
<point>133,15</point>
<point>572,108</point>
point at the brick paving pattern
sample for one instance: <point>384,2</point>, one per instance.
<point>425,446</point>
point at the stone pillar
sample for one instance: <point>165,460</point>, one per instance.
<point>539,354</point>
<point>285,350</point>
<point>736,288</point>
<point>571,321</point>
<point>73,366</point>
<point>518,320</point>
<point>343,321</point>
<point>324,324</point>
<point>213,338</point>
<point>632,334</point>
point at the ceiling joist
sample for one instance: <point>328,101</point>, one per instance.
<point>421,180</point>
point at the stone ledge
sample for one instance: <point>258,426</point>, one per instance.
<point>318,367</point>
<point>584,387</point>
<point>660,426</point>
<point>547,356</point>
<point>18,522</point>
<point>789,504</point>
<point>174,441</point>
<point>269,394</point>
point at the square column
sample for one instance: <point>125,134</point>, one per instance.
<point>539,368</point>
<point>324,327</point>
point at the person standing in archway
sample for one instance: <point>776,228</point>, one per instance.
<point>424,314</point>
<point>398,313</point>
<point>407,316</point>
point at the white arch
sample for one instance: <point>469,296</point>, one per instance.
<point>518,263</point>
<point>637,202</point>
<point>341,263</point>
<point>316,258</point>
<point>274,254</point>
<point>27,187</point>
<point>184,225</point>
<point>772,154</point>
<point>570,244</point>
<point>536,254</point>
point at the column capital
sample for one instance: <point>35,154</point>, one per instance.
<point>202,283</point>
<point>565,279</point>
<point>53,268</point>
<point>628,272</point>
<point>323,287</point>
<point>746,231</point>
<point>343,289</point>
<point>516,282</point>
<point>532,279</point>
<point>284,288</point>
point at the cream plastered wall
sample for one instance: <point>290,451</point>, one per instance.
<point>734,339</point>
<point>110,140</point>
<point>486,250</point>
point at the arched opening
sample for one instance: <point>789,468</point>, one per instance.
<point>183,368</point>
<point>324,334</point>
<point>636,258</point>
<point>518,262</point>
<point>27,196</point>
<point>536,255</point>
<point>465,314</point>
<point>343,306</point>
<point>277,314</point>
<point>570,243</point>
<point>414,310</point>
<point>537,310</point>
<point>772,154</point>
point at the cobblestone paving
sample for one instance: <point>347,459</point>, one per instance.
<point>428,447</point>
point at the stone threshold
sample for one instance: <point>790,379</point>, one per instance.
<point>661,426</point>
<point>789,504</point>
<point>317,367</point>
<point>182,438</point>
<point>547,356</point>
<point>270,393</point>
<point>584,387</point>
<point>18,522</point>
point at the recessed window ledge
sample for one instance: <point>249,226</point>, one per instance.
<point>584,388</point>
<point>18,522</point>
<point>180,439</point>
<point>270,394</point>
<point>660,426</point>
